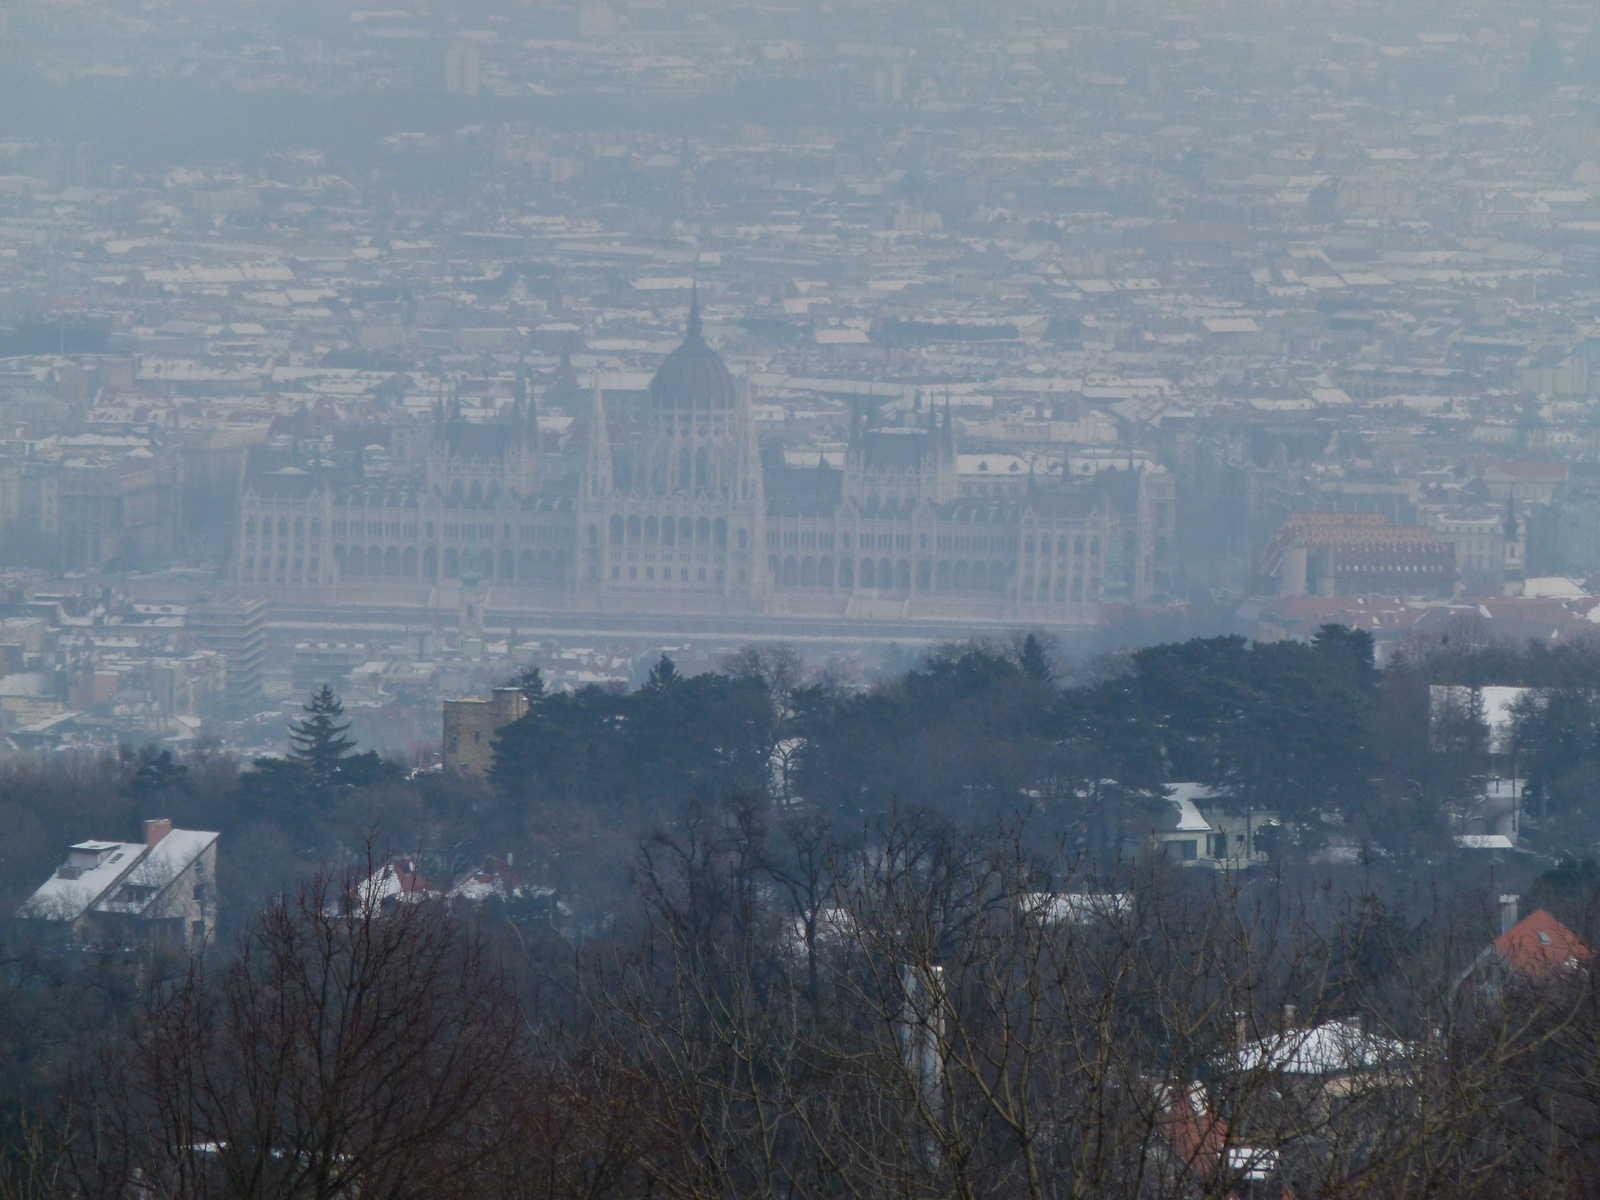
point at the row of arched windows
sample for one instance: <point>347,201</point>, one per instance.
<point>648,531</point>
<point>889,574</point>
<point>283,526</point>
<point>547,567</point>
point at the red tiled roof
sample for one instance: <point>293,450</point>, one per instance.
<point>1539,945</point>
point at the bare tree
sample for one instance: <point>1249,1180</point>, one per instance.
<point>350,1046</point>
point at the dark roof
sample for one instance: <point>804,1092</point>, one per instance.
<point>472,439</point>
<point>802,491</point>
<point>898,448</point>
<point>694,375</point>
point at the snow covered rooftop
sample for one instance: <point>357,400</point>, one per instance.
<point>91,870</point>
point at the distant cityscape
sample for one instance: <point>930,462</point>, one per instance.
<point>567,336</point>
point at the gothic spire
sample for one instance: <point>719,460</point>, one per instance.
<point>694,314</point>
<point>597,471</point>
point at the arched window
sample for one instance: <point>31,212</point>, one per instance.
<point>316,527</point>
<point>669,532</point>
<point>776,568</point>
<point>508,570</point>
<point>525,568</point>
<point>634,531</point>
<point>685,466</point>
<point>825,572</point>
<point>847,573</point>
<point>869,573</point>
<point>702,532</point>
<point>338,558</point>
<point>544,568</point>
<point>791,572</point>
<point>885,574</point>
<point>963,576</point>
<point>408,562</point>
<point>685,531</point>
<point>808,573</point>
<point>594,534</point>
<point>902,575</point>
<point>616,531</point>
<point>430,563</point>
<point>250,527</point>
<point>719,533</point>
<point>702,469</point>
<point>652,531</point>
<point>924,575</point>
<point>450,568</point>
<point>357,562</point>
<point>742,539</point>
<point>980,577</point>
<point>391,561</point>
<point>475,493</point>
<point>486,564</point>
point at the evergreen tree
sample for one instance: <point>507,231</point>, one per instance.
<point>663,675</point>
<point>318,740</point>
<point>1033,661</point>
<point>531,684</point>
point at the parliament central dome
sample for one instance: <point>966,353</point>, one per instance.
<point>694,377</point>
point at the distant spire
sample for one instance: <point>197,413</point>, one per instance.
<point>597,482</point>
<point>694,314</point>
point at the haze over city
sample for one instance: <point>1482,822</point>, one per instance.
<point>796,601</point>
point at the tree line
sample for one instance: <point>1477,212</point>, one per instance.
<point>909,1012</point>
<point>595,789</point>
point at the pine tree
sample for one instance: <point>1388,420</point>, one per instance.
<point>663,675</point>
<point>1033,661</point>
<point>318,740</point>
<point>531,684</point>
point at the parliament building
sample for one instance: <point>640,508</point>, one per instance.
<point>671,508</point>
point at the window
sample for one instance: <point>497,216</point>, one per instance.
<point>1188,851</point>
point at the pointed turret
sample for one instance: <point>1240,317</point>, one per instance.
<point>597,480</point>
<point>693,333</point>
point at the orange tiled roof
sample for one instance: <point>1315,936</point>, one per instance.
<point>1539,945</point>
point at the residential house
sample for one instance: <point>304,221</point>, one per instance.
<point>1217,837</point>
<point>1536,950</point>
<point>161,891</point>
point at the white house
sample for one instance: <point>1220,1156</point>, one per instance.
<point>1211,837</point>
<point>162,890</point>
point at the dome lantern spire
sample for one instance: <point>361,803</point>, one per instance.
<point>694,314</point>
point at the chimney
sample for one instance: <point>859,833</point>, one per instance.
<point>155,830</point>
<point>1290,1012</point>
<point>1508,911</point>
